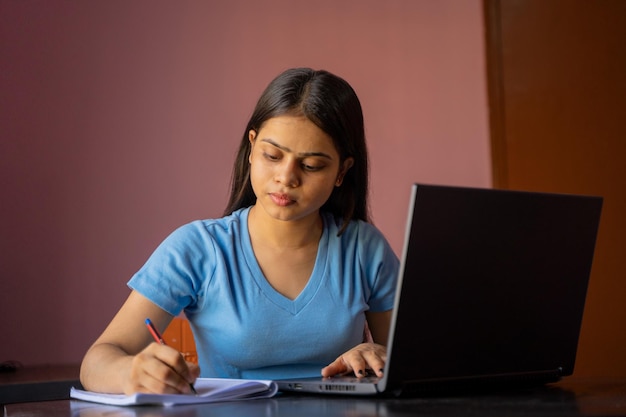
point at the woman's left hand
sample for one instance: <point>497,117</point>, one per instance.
<point>359,359</point>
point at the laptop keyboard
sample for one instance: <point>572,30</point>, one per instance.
<point>373,379</point>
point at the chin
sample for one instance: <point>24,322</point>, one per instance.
<point>289,213</point>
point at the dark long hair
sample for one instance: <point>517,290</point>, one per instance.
<point>330,102</point>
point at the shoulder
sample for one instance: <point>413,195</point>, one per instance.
<point>226,224</point>
<point>365,254</point>
<point>358,236</point>
<point>354,230</point>
<point>209,231</point>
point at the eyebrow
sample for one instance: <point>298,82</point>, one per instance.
<point>302,154</point>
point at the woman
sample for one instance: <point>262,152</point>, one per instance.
<point>282,285</point>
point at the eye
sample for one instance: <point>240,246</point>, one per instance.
<point>312,168</point>
<point>271,157</point>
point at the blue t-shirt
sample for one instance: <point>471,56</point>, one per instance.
<point>242,327</point>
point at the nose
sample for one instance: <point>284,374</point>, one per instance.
<point>287,173</point>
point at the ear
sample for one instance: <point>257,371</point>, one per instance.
<point>251,138</point>
<point>347,164</point>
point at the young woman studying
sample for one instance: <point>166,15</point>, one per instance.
<point>283,285</point>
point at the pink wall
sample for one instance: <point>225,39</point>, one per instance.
<point>119,121</point>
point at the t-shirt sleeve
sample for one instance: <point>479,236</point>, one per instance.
<point>172,276</point>
<point>381,267</point>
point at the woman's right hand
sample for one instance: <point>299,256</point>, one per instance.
<point>125,359</point>
<point>160,369</point>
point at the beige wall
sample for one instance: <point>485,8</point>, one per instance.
<point>119,121</point>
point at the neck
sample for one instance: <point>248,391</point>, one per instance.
<point>284,234</point>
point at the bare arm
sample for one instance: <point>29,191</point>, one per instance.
<point>366,355</point>
<point>125,359</point>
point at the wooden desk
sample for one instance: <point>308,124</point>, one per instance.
<point>571,397</point>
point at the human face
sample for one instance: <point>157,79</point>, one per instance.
<point>294,167</point>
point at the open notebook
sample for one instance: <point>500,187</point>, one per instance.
<point>491,292</point>
<point>209,390</point>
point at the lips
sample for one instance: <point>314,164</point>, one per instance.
<point>282,200</point>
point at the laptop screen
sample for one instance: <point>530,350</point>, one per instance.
<point>493,282</point>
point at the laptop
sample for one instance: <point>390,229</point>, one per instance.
<point>490,294</point>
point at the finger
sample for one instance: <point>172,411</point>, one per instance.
<point>161,369</point>
<point>148,374</point>
<point>356,362</point>
<point>181,374</point>
<point>194,371</point>
<point>374,362</point>
<point>166,383</point>
<point>339,366</point>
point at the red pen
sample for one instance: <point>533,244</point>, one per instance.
<point>159,339</point>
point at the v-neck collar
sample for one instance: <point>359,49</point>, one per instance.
<point>292,306</point>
